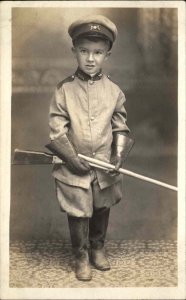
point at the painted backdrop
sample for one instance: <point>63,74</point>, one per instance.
<point>144,65</point>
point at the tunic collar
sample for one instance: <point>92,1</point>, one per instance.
<point>85,77</point>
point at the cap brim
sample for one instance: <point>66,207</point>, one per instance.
<point>93,34</point>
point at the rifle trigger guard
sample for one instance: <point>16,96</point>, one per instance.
<point>56,160</point>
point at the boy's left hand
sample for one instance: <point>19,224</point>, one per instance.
<point>117,161</point>
<point>122,144</point>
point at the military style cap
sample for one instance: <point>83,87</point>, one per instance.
<point>96,25</point>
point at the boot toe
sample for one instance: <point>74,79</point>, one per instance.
<point>84,275</point>
<point>102,267</point>
<point>83,270</point>
<point>99,260</point>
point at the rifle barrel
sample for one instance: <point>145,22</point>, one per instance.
<point>129,173</point>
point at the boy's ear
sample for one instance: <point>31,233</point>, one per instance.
<point>108,54</point>
<point>73,51</point>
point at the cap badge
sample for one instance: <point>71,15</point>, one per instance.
<point>95,27</point>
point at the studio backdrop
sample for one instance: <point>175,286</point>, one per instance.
<point>144,64</point>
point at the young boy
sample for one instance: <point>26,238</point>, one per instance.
<point>87,116</point>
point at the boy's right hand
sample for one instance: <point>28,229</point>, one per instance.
<point>63,148</point>
<point>78,166</point>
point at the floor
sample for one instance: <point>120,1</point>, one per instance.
<point>50,264</point>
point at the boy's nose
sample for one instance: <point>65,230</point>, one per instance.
<point>90,57</point>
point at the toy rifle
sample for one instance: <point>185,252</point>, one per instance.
<point>25,157</point>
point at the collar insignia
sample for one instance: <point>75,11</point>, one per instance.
<point>85,77</point>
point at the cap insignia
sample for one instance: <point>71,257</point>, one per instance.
<point>95,27</point>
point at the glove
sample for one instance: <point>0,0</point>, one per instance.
<point>63,148</point>
<point>122,144</point>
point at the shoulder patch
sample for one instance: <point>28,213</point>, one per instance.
<point>108,76</point>
<point>68,79</point>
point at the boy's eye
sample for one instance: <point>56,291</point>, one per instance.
<point>99,52</point>
<point>83,51</point>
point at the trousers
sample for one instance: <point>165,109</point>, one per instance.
<point>80,202</point>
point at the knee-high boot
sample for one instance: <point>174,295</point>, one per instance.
<point>97,232</point>
<point>79,229</point>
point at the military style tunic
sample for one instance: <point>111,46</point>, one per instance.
<point>89,110</point>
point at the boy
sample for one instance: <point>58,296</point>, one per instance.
<point>87,116</point>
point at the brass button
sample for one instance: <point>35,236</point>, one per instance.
<point>92,118</point>
<point>91,82</point>
<point>93,153</point>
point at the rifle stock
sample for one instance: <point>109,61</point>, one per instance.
<point>26,157</point>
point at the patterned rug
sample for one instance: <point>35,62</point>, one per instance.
<point>50,264</point>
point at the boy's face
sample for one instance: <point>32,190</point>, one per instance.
<point>90,55</point>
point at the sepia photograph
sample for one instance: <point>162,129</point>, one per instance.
<point>93,150</point>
